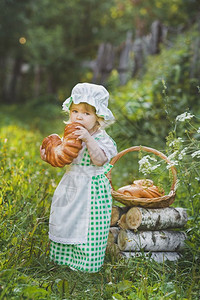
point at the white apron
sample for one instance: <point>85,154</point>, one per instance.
<point>70,209</point>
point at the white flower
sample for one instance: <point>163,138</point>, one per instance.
<point>182,153</point>
<point>172,160</point>
<point>198,130</point>
<point>172,163</point>
<point>180,139</point>
<point>171,156</point>
<point>145,159</point>
<point>174,142</point>
<point>177,185</point>
<point>145,165</point>
<point>196,154</point>
<point>53,184</point>
<point>184,116</point>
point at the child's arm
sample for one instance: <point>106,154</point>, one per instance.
<point>97,155</point>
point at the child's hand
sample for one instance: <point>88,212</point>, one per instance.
<point>82,133</point>
<point>42,154</point>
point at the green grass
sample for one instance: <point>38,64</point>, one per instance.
<point>26,187</point>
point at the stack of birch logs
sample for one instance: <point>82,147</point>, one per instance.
<point>152,232</point>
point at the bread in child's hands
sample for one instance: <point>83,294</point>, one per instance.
<point>143,188</point>
<point>62,152</point>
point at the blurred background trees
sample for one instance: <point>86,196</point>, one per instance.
<point>47,47</point>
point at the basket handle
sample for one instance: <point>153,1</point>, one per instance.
<point>146,149</point>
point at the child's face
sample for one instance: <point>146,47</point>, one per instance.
<point>84,114</point>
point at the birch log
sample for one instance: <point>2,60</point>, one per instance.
<point>159,257</point>
<point>112,245</point>
<point>155,219</point>
<point>116,214</point>
<point>113,234</point>
<point>151,240</point>
<point>122,222</point>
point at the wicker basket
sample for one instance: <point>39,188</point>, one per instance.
<point>159,202</point>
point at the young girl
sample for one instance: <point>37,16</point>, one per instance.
<point>81,206</point>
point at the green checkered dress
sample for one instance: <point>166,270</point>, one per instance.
<point>89,257</point>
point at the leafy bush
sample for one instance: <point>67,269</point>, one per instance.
<point>145,109</point>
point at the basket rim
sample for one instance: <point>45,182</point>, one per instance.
<point>145,149</point>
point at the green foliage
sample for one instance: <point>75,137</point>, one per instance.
<point>41,114</point>
<point>142,14</point>
<point>58,37</point>
<point>166,90</point>
<point>183,147</point>
<point>27,185</point>
<point>14,16</point>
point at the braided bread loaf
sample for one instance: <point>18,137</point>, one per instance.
<point>143,188</point>
<point>62,152</point>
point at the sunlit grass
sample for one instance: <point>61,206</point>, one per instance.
<point>26,187</point>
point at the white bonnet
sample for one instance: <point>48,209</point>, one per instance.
<point>93,94</point>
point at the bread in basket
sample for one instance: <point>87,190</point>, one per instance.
<point>146,200</point>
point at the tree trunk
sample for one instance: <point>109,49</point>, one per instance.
<point>12,94</point>
<point>159,257</point>
<point>124,60</point>
<point>104,63</point>
<point>113,234</point>
<point>112,246</point>
<point>151,240</point>
<point>37,81</point>
<point>113,249</point>
<point>156,37</point>
<point>116,214</point>
<point>139,59</point>
<point>195,61</point>
<point>122,222</point>
<point>3,75</point>
<point>154,219</point>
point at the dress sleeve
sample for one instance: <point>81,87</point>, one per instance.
<point>107,144</point>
